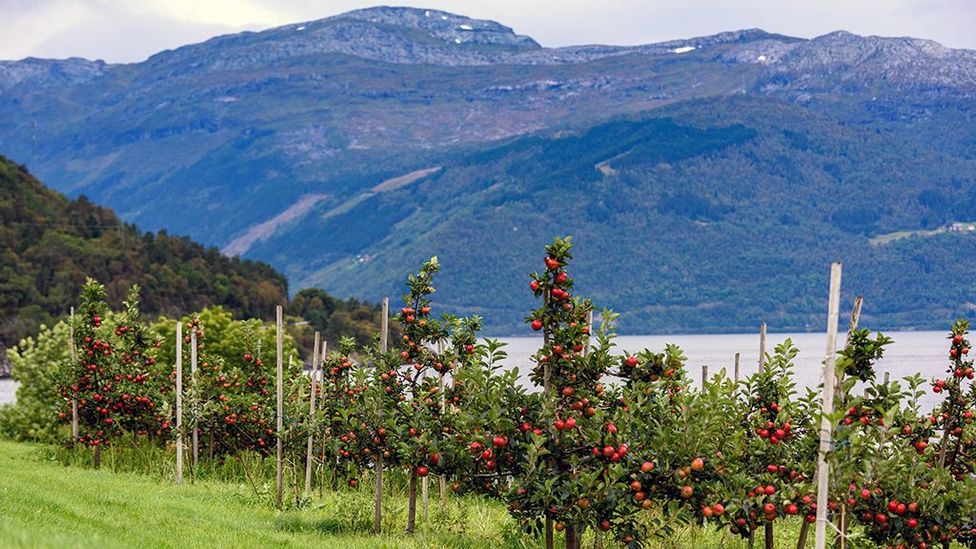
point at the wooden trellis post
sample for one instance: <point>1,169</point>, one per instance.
<point>736,367</point>
<point>74,365</point>
<point>193,383</point>
<point>826,427</point>
<point>311,414</point>
<point>762,346</point>
<point>179,402</point>
<point>378,504</point>
<point>839,398</point>
<point>280,410</point>
<point>442,479</point>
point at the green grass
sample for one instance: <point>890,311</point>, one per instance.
<point>46,504</point>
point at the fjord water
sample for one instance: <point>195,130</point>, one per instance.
<point>912,352</point>
<point>7,389</point>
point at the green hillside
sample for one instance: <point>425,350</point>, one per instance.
<point>49,245</point>
<point>709,215</point>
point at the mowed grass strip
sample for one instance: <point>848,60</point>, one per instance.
<point>44,504</point>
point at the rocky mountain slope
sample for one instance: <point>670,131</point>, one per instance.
<point>776,151</point>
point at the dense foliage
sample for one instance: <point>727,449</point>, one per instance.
<point>49,245</point>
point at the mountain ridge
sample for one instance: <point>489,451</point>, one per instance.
<point>220,139</point>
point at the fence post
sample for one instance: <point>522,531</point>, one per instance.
<point>736,367</point>
<point>179,401</point>
<point>311,415</point>
<point>442,480</point>
<point>378,505</point>
<point>74,365</point>
<point>280,397</point>
<point>193,383</point>
<point>762,346</point>
<point>826,426</point>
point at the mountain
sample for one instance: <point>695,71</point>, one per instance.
<point>707,181</point>
<point>49,246</point>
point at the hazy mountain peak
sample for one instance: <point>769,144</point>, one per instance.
<point>443,25</point>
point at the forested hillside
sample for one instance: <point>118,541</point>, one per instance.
<point>49,245</point>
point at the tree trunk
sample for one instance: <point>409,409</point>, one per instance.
<point>412,505</point>
<point>768,535</point>
<point>572,537</point>
<point>98,456</point>
<point>804,528</point>
<point>549,535</point>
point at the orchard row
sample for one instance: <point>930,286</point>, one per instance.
<point>612,440</point>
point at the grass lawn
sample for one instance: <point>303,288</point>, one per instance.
<point>45,504</point>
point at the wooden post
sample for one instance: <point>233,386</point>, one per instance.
<point>855,318</point>
<point>324,354</point>
<point>762,346</point>
<point>843,527</point>
<point>384,342</point>
<point>442,480</point>
<point>279,328</point>
<point>768,535</point>
<point>412,495</point>
<point>179,401</point>
<point>736,367</point>
<point>193,382</point>
<point>74,367</point>
<point>311,415</point>
<point>841,397</point>
<point>423,497</point>
<point>547,391</point>
<point>704,376</point>
<point>826,427</point>
<point>589,323</point>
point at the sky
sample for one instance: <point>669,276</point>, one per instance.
<point>132,30</point>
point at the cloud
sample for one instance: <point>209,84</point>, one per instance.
<point>131,30</point>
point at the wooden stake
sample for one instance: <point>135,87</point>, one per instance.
<point>311,414</point>
<point>589,322</point>
<point>412,507</point>
<point>704,376</point>
<point>378,510</point>
<point>843,527</point>
<point>762,346</point>
<point>74,366</point>
<point>826,427</point>
<point>855,318</point>
<point>442,480</point>
<point>280,385</point>
<point>423,497</point>
<point>321,406</point>
<point>841,397</point>
<point>547,390</point>
<point>193,382</point>
<point>736,367</point>
<point>179,402</point>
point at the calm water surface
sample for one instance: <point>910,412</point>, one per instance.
<point>911,352</point>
